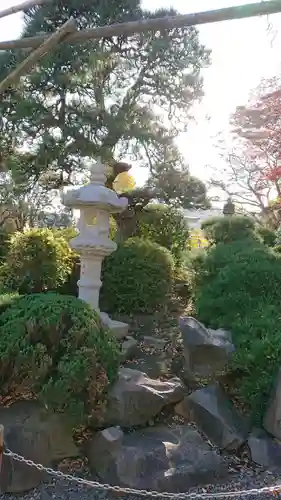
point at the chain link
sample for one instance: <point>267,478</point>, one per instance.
<point>142,493</point>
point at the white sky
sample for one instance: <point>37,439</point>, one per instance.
<point>242,53</point>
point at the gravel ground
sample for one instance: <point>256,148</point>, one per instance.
<point>242,477</point>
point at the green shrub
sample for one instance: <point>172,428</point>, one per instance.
<point>166,226</point>
<point>4,244</point>
<point>229,228</point>
<point>38,261</point>
<point>70,286</point>
<point>56,348</point>
<point>6,299</point>
<point>182,284</point>
<point>267,235</point>
<point>238,288</point>
<point>258,356</point>
<point>137,277</point>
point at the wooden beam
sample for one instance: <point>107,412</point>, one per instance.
<point>27,64</point>
<point>162,23</point>
<point>23,6</point>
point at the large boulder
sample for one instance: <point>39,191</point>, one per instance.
<point>135,398</point>
<point>214,415</point>
<point>264,449</point>
<point>272,418</point>
<point>206,351</point>
<point>159,458</point>
<point>38,435</point>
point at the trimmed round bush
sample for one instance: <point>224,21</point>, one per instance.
<point>228,228</point>
<point>166,226</point>
<point>38,261</point>
<point>137,277</point>
<point>55,348</point>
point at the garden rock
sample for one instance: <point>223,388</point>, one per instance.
<point>33,415</point>
<point>135,398</point>
<point>215,417</point>
<point>265,450</point>
<point>272,418</point>
<point>34,445</point>
<point>206,351</point>
<point>154,364</point>
<point>159,458</point>
<point>36,434</point>
<point>128,348</point>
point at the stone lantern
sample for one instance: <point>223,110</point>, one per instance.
<point>95,203</point>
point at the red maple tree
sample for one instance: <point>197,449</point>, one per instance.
<point>258,125</point>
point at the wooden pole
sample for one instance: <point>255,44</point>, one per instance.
<point>23,6</point>
<point>27,64</point>
<point>161,23</point>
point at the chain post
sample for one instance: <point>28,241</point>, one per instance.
<point>1,445</point>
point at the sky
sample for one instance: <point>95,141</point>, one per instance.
<point>243,52</point>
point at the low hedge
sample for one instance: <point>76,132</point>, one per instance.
<point>238,288</point>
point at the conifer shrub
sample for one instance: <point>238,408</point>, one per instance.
<point>55,348</point>
<point>137,277</point>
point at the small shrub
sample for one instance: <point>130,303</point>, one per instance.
<point>137,277</point>
<point>56,348</point>
<point>166,226</point>
<point>38,261</point>
<point>229,228</point>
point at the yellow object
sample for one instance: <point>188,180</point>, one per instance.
<point>197,239</point>
<point>124,182</point>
